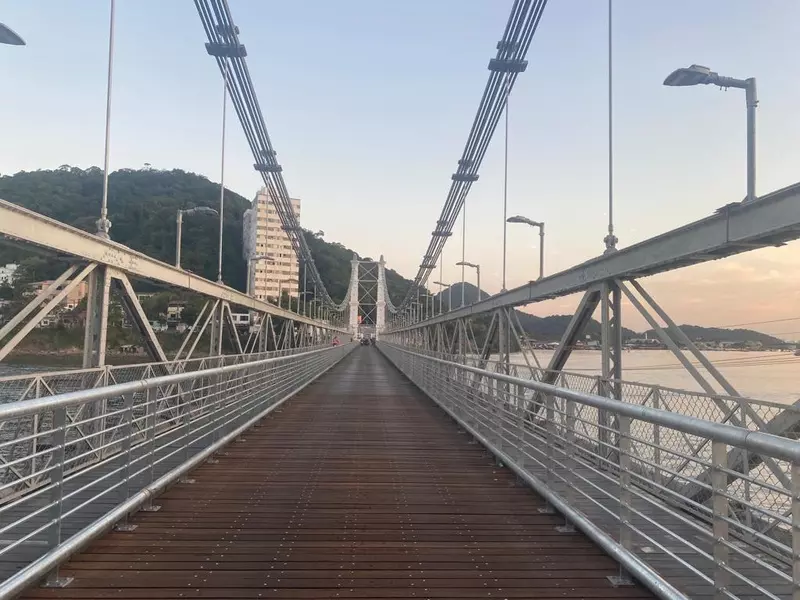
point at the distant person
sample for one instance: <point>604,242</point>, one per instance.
<point>336,341</point>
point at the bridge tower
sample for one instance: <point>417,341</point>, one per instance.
<point>380,304</point>
<point>353,321</point>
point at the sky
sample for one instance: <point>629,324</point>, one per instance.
<point>369,103</point>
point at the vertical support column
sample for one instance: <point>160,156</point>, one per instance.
<point>625,496</point>
<point>719,504</point>
<point>95,332</point>
<point>570,464</point>
<point>150,432</point>
<point>795,531</point>
<point>611,343</point>
<point>380,304</point>
<point>353,321</point>
<point>217,322</point>
<point>57,492</point>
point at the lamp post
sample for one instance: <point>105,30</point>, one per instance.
<point>9,36</point>
<point>699,75</point>
<point>197,210</point>
<point>280,292</point>
<point>304,295</point>
<point>424,306</point>
<point>250,261</point>
<point>441,295</point>
<point>103,224</point>
<point>477,268</point>
<point>540,225</point>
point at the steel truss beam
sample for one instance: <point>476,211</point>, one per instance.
<point>24,225</point>
<point>769,221</point>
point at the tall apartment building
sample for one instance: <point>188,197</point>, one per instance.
<point>264,235</point>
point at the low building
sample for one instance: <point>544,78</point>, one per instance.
<point>241,319</point>
<point>73,298</point>
<point>175,310</point>
<point>7,273</point>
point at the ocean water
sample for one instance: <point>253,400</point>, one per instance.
<point>773,376</point>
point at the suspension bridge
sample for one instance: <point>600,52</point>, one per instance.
<point>437,464</point>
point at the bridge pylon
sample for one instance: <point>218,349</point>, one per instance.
<point>380,304</point>
<point>353,321</point>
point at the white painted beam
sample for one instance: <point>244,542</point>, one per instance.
<point>25,225</point>
<point>740,227</point>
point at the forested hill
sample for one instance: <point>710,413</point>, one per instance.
<point>142,208</point>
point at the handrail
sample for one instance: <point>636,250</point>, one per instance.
<point>755,441</point>
<point>13,410</point>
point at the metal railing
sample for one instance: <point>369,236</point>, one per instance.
<point>39,384</point>
<point>99,454</point>
<point>748,413</point>
<point>19,438</point>
<point>621,472</point>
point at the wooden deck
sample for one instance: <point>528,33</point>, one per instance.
<point>360,487</point>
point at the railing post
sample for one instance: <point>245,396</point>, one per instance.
<point>35,432</point>
<point>550,440</point>
<point>795,531</point>
<point>748,519</point>
<point>719,484</point>
<point>186,430</point>
<point>151,400</point>
<point>57,492</point>
<point>625,496</point>
<point>522,438</point>
<point>125,476</point>
<point>657,473</point>
<point>569,461</point>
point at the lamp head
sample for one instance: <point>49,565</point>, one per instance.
<point>694,75</point>
<point>8,36</point>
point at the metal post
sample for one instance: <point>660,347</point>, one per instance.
<point>541,250</point>
<point>463,247</point>
<point>94,341</point>
<point>796,531</point>
<point>610,239</point>
<point>625,496</point>
<point>719,483</point>
<point>752,103</point>
<point>57,491</point>
<point>305,284</point>
<point>103,224</point>
<point>449,298</point>
<point>569,460</point>
<point>505,192</point>
<point>150,432</point>
<point>478,269</point>
<point>127,434</point>
<point>249,275</point>
<point>222,178</point>
<point>178,242</point>
<point>611,345</point>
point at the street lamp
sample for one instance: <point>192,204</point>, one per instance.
<point>280,293</point>
<point>477,268</point>
<point>699,75</point>
<point>8,36</point>
<point>425,305</point>
<point>540,225</point>
<point>250,261</point>
<point>198,210</point>
<point>441,296</point>
<point>314,308</point>
<point>304,295</point>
